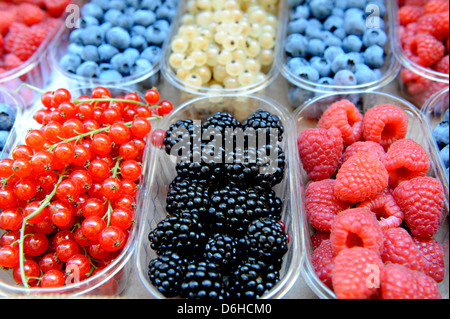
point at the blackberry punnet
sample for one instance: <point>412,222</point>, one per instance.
<point>202,280</point>
<point>187,194</point>
<point>181,232</point>
<point>166,273</point>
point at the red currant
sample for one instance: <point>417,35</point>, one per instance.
<point>11,219</point>
<point>152,96</point>
<point>165,107</point>
<point>52,279</point>
<point>112,238</point>
<point>92,226</point>
<point>131,170</point>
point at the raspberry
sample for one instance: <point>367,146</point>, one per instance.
<point>385,124</point>
<point>434,6</point>
<point>20,41</point>
<point>408,14</point>
<point>356,273</point>
<point>429,49</point>
<point>56,8</point>
<point>362,176</point>
<point>363,146</point>
<point>405,159</point>
<point>30,14</point>
<point>11,61</point>
<point>346,117</point>
<point>318,237</point>
<point>433,252</point>
<point>322,205</point>
<point>435,24</point>
<point>322,260</point>
<point>433,88</point>
<point>421,200</point>
<point>443,65</point>
<point>384,206</point>
<point>6,19</point>
<point>399,248</point>
<point>356,227</point>
<point>320,151</point>
<point>418,86</point>
<point>416,2</point>
<point>400,282</point>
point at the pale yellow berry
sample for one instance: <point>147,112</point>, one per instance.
<point>252,65</point>
<point>240,56</point>
<point>200,43</point>
<point>234,68</point>
<point>230,43</point>
<point>224,57</point>
<point>220,36</point>
<point>266,40</point>
<point>179,44</point>
<point>193,79</point>
<point>230,82</point>
<point>266,57</point>
<point>219,73</point>
<point>246,78</point>
<point>199,57</point>
<point>175,59</point>
<point>205,73</point>
<point>188,63</point>
<point>182,73</point>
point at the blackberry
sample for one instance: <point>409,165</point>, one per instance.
<point>234,206</point>
<point>202,280</point>
<point>181,232</point>
<point>221,121</point>
<point>166,273</point>
<point>224,250</point>
<point>252,279</point>
<point>202,163</point>
<point>262,166</point>
<point>266,239</point>
<point>265,120</point>
<point>182,130</point>
<point>187,194</point>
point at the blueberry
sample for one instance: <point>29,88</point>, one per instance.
<point>364,74</point>
<point>70,62</point>
<point>333,22</point>
<point>132,55</point>
<point>296,62</point>
<point>152,5</point>
<point>151,54</point>
<point>330,39</point>
<point>90,53</point>
<point>296,45</point>
<point>93,10</point>
<point>138,42</point>
<point>340,33</point>
<point>155,36</point>
<point>341,4</point>
<point>87,21</point>
<point>104,67</point>
<point>75,36</point>
<point>162,24</point>
<point>121,63</point>
<point>380,7</point>
<point>444,156</point>
<point>7,117</point>
<point>374,56</point>
<point>118,37</point>
<point>321,9</point>
<point>110,75</point>
<point>300,12</point>
<point>3,139</point>
<point>117,4</point>
<point>344,78</point>
<point>75,49</point>
<point>92,35</point>
<point>352,43</point>
<point>338,12</point>
<point>124,21</point>
<point>88,69</point>
<point>166,11</point>
<point>307,73</point>
<point>323,66</point>
<point>107,51</point>
<point>316,47</point>
<point>112,16</point>
<point>313,32</point>
<point>441,134</point>
<point>361,4</point>
<point>138,30</point>
<point>344,61</point>
<point>332,52</point>
<point>374,36</point>
<point>144,17</point>
<point>297,26</point>
<point>141,66</point>
<point>354,21</point>
<point>326,81</point>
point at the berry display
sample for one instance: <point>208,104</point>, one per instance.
<point>335,42</point>
<point>376,207</point>
<point>227,230</point>
<point>68,188</point>
<point>118,39</point>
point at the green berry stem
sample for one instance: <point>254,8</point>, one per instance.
<point>44,203</point>
<point>30,87</point>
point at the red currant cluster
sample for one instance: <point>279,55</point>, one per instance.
<point>68,194</point>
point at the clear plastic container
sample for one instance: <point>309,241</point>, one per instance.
<point>300,90</point>
<point>17,104</point>
<point>110,281</point>
<point>441,79</point>
<point>418,130</point>
<point>140,81</point>
<point>434,111</point>
<point>192,91</point>
<point>161,171</point>
<point>36,71</point>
